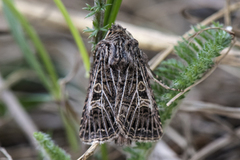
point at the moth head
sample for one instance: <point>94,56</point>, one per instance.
<point>117,30</point>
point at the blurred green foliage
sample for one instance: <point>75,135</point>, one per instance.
<point>49,149</point>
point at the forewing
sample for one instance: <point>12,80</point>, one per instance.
<point>138,116</point>
<point>98,121</point>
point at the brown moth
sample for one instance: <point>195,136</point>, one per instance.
<point>120,104</point>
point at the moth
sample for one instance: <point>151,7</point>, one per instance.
<point>120,104</point>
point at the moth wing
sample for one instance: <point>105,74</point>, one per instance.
<point>139,118</point>
<point>98,121</point>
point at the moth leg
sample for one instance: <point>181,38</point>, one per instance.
<point>151,74</point>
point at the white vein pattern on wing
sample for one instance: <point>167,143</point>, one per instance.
<point>130,88</point>
<point>147,90</point>
<point>153,118</point>
<point>109,118</point>
<point>156,124</point>
<point>148,93</point>
<point>136,106</point>
<point>89,107</point>
<point>113,81</point>
<point>137,98</point>
<point>108,88</point>
<point>91,90</point>
<point>103,119</point>
<point>108,101</point>
<point>102,106</point>
<point>133,117</point>
<point>137,122</point>
<point>139,103</point>
<point>123,92</point>
<point>102,91</point>
<point>94,128</point>
<point>148,123</point>
<point>131,101</point>
<point>106,74</point>
<point>130,106</point>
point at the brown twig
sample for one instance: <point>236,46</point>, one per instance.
<point>89,152</point>
<point>227,18</point>
<point>197,106</point>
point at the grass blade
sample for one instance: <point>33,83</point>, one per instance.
<point>114,11</point>
<point>18,35</point>
<point>81,47</point>
<point>39,46</point>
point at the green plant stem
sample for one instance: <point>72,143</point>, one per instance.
<point>104,151</point>
<point>99,17</point>
<point>114,11</point>
<point>107,12</point>
<point>39,46</point>
<point>70,129</point>
<point>81,47</point>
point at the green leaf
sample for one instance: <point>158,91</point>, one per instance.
<point>88,8</point>
<point>90,14</point>
<point>88,30</point>
<point>112,9</point>
<point>104,151</point>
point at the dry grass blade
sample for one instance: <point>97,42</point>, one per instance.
<point>68,78</point>
<point>224,124</point>
<point>89,152</point>
<point>197,106</point>
<point>176,137</point>
<point>17,112</point>
<point>40,12</point>
<point>215,145</point>
<point>227,19</point>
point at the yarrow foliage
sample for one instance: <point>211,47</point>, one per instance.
<point>49,149</point>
